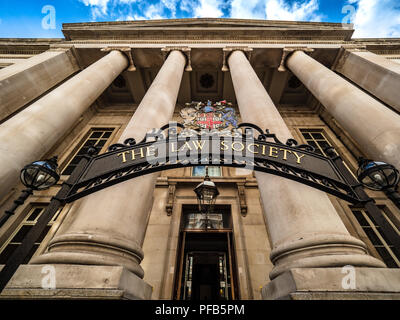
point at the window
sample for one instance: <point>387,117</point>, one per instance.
<point>200,171</point>
<point>317,139</point>
<point>202,221</point>
<point>220,218</point>
<point>390,255</point>
<point>22,230</point>
<point>96,137</point>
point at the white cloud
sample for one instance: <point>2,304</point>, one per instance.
<point>100,5</point>
<point>305,10</point>
<point>209,9</point>
<point>98,8</point>
<point>151,12</point>
<point>154,12</point>
<point>297,11</point>
<point>171,5</point>
<point>186,5</point>
<point>248,9</point>
<point>376,18</point>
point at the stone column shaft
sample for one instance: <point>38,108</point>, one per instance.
<point>376,74</point>
<point>27,136</point>
<point>108,227</point>
<point>23,82</point>
<point>375,127</point>
<point>304,227</point>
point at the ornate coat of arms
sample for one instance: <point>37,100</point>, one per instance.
<point>220,115</point>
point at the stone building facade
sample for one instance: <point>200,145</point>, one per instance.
<point>272,238</point>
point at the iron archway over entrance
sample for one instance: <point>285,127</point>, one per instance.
<point>172,146</point>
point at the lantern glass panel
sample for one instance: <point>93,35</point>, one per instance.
<point>391,176</point>
<point>29,175</point>
<point>368,182</point>
<point>208,194</point>
<point>40,175</point>
<point>379,178</point>
<point>377,175</point>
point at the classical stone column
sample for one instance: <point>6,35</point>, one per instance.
<point>27,136</point>
<point>305,229</point>
<point>27,80</point>
<point>108,227</point>
<point>375,127</point>
<point>374,73</point>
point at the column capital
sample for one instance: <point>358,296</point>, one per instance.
<point>228,50</point>
<point>288,51</point>
<point>186,51</point>
<point>127,51</point>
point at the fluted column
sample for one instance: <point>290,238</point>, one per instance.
<point>373,126</point>
<point>27,136</point>
<point>304,228</point>
<point>374,73</point>
<point>25,81</point>
<point>108,227</point>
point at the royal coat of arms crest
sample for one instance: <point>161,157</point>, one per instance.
<point>220,115</point>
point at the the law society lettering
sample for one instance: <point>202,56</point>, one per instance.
<point>246,147</point>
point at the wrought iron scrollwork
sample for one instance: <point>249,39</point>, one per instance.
<point>244,130</point>
<point>264,136</point>
<point>127,144</point>
<point>294,144</point>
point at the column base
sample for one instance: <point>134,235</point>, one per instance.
<point>76,282</point>
<point>326,284</point>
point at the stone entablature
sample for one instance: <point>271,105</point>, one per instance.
<point>207,29</point>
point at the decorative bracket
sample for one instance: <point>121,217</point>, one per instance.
<point>287,51</point>
<point>185,50</point>
<point>71,52</point>
<point>228,50</point>
<point>242,198</point>
<point>344,52</point>
<point>125,50</point>
<point>170,198</point>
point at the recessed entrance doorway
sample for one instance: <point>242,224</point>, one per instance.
<point>206,263</point>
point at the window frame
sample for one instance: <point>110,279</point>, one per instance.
<point>349,161</point>
<point>316,130</point>
<point>80,140</point>
<point>384,208</point>
<point>53,223</point>
<point>220,171</point>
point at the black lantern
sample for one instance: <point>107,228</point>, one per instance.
<point>38,175</point>
<point>380,176</point>
<point>376,175</point>
<point>207,194</point>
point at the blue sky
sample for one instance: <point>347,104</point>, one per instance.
<point>44,18</point>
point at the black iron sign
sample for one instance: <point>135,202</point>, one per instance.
<point>246,147</point>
